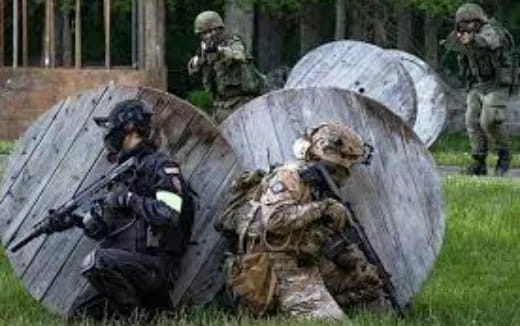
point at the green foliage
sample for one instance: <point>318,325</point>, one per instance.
<point>200,99</point>
<point>6,146</point>
<point>437,7</point>
<point>454,149</point>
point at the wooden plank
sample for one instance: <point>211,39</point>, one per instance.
<point>432,103</point>
<point>83,164</point>
<point>361,67</point>
<point>397,198</point>
<point>15,33</point>
<point>24,149</point>
<point>77,33</point>
<point>207,255</point>
<point>2,31</point>
<point>40,172</point>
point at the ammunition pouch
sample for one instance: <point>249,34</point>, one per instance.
<point>508,76</point>
<point>253,279</point>
<point>249,78</point>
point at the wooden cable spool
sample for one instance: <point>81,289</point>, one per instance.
<point>360,67</point>
<point>397,198</point>
<point>432,104</point>
<point>63,152</point>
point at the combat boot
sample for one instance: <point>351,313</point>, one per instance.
<point>504,159</point>
<point>478,167</point>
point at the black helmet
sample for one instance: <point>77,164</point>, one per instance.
<point>125,116</point>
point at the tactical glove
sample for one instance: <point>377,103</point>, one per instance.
<point>336,213</point>
<point>120,197</point>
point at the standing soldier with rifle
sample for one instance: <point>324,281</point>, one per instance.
<point>225,66</point>
<point>142,223</point>
<point>487,62</point>
<point>298,248</point>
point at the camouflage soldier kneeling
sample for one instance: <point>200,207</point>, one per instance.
<point>283,224</point>
<point>226,68</point>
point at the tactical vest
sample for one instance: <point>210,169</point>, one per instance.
<point>499,66</point>
<point>133,233</point>
<point>229,78</point>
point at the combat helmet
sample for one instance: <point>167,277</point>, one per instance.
<point>470,12</point>
<point>125,116</point>
<point>333,143</point>
<point>207,21</point>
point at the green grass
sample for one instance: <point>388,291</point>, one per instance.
<point>453,149</point>
<point>6,146</point>
<point>475,281</point>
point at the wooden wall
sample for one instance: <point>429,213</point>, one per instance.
<point>26,93</point>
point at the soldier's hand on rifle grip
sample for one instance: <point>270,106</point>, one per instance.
<point>119,197</point>
<point>337,213</point>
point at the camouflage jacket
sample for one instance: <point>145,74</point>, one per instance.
<point>280,215</point>
<point>228,71</point>
<point>488,57</point>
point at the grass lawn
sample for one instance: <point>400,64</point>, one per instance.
<point>475,281</point>
<point>454,149</point>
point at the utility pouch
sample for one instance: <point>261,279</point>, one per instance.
<point>253,278</point>
<point>509,76</point>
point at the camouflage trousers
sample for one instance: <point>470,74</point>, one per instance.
<point>223,108</point>
<point>298,291</point>
<point>485,115</point>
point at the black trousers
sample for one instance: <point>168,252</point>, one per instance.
<point>121,282</point>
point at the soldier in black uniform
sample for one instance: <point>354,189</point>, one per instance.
<point>143,224</point>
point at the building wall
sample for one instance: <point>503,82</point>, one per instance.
<point>25,93</point>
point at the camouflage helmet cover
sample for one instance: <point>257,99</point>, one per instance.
<point>469,12</point>
<point>333,143</point>
<point>207,21</point>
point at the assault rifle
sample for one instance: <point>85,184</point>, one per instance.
<point>356,234</point>
<point>83,199</point>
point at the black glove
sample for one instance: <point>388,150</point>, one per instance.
<point>120,197</point>
<point>57,223</point>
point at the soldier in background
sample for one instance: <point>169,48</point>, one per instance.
<point>487,64</point>
<point>282,224</point>
<point>225,66</point>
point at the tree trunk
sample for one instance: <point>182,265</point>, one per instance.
<point>240,20</point>
<point>66,38</point>
<point>77,32</point>
<point>25,48</point>
<point>341,19</point>
<point>106,11</point>
<point>15,33</point>
<point>309,27</point>
<point>431,40</point>
<point>269,41</point>
<point>357,26</point>
<point>2,29</point>
<point>154,19</point>
<point>404,28</point>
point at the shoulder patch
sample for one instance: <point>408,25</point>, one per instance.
<point>172,170</point>
<point>278,187</point>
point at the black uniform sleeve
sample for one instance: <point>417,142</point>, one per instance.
<point>163,209</point>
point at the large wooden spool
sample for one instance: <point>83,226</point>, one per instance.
<point>360,67</point>
<point>397,198</point>
<point>432,104</point>
<point>62,152</point>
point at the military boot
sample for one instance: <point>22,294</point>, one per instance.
<point>504,158</point>
<point>478,167</point>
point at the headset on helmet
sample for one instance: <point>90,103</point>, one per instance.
<point>125,116</point>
